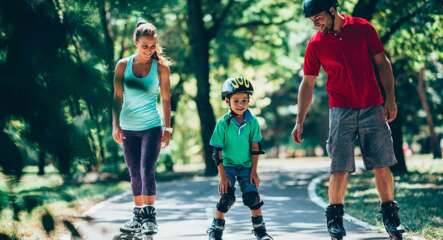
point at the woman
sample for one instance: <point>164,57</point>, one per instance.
<point>137,123</point>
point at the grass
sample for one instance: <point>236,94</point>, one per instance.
<point>62,201</point>
<point>419,194</point>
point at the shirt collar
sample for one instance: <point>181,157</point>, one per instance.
<point>247,116</point>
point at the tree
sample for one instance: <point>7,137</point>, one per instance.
<point>367,9</point>
<point>205,21</point>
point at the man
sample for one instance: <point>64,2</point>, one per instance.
<point>346,47</point>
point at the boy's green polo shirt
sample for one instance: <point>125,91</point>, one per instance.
<point>235,139</point>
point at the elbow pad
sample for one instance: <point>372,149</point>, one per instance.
<point>260,150</point>
<point>216,155</point>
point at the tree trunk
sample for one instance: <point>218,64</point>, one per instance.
<point>41,162</point>
<point>105,16</point>
<point>100,148</point>
<point>199,41</point>
<point>421,89</point>
<point>397,137</point>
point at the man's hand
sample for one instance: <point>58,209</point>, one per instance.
<point>297,133</point>
<point>390,109</point>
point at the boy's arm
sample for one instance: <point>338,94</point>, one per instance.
<point>223,180</point>
<point>254,176</point>
<point>254,157</point>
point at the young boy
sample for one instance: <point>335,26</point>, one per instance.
<point>236,140</point>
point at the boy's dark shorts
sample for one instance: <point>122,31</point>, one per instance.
<point>369,128</point>
<point>242,175</point>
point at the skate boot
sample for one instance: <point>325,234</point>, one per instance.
<point>259,228</point>
<point>334,218</point>
<point>215,231</point>
<point>133,226</point>
<point>391,220</point>
<point>149,222</point>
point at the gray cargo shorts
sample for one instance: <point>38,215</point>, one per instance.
<point>367,127</point>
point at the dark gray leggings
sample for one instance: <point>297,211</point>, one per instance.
<point>141,149</point>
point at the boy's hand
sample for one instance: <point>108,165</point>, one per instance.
<point>255,179</point>
<point>223,184</point>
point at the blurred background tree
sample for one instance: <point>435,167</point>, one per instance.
<point>57,60</point>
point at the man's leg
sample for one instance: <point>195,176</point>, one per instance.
<point>338,182</point>
<point>340,147</point>
<point>384,183</point>
<point>378,154</point>
<point>389,209</point>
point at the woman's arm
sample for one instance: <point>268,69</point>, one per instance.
<point>165,93</point>
<point>118,99</point>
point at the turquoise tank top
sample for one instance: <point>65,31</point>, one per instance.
<point>139,110</point>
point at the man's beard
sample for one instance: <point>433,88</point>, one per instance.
<point>328,28</point>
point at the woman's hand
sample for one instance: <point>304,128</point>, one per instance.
<point>117,134</point>
<point>166,137</point>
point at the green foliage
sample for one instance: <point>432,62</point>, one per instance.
<point>57,67</point>
<point>58,87</point>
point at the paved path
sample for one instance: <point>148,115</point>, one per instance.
<point>185,208</point>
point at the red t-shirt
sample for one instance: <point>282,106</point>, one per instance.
<point>346,59</point>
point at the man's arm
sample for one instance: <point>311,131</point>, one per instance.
<point>305,93</point>
<point>384,68</point>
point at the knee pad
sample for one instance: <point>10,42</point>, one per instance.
<point>252,200</point>
<point>226,201</point>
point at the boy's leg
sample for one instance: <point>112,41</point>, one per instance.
<point>219,215</point>
<point>251,199</point>
<point>215,231</point>
<point>256,212</point>
<point>226,201</point>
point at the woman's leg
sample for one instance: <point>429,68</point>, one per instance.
<point>132,152</point>
<point>150,149</point>
<point>131,148</point>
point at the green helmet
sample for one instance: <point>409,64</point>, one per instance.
<point>314,7</point>
<point>236,85</point>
